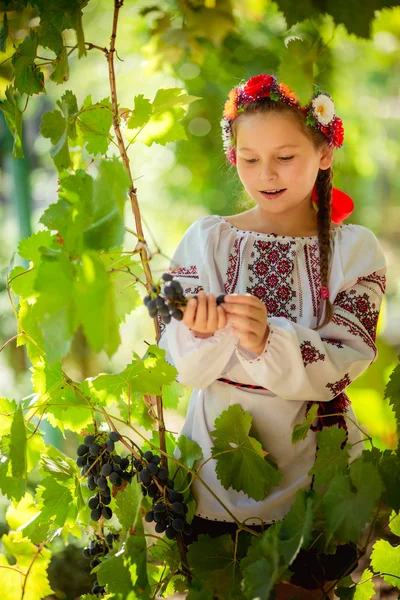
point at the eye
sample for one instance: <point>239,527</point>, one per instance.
<point>251,160</point>
<point>286,157</point>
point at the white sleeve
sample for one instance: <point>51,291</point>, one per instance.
<point>299,363</point>
<point>199,362</point>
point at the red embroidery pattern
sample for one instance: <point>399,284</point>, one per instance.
<point>271,275</point>
<point>378,280</point>
<point>361,307</point>
<point>187,272</point>
<point>235,260</point>
<point>337,343</point>
<point>339,386</point>
<point>311,255</point>
<point>309,353</point>
<point>355,329</point>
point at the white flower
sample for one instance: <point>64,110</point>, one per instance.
<point>324,109</point>
<point>226,133</point>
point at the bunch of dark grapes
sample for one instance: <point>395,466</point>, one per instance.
<point>168,510</point>
<point>98,460</point>
<point>98,548</point>
<point>167,306</point>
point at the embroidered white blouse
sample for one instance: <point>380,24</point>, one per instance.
<point>297,364</point>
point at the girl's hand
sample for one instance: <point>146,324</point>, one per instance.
<point>203,316</point>
<point>250,320</point>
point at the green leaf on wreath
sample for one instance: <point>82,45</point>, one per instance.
<point>243,466</point>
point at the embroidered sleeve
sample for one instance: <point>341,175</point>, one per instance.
<point>199,361</point>
<point>299,363</point>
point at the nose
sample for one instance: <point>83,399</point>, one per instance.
<point>268,172</point>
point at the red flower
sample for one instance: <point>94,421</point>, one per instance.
<point>338,131</point>
<point>259,85</point>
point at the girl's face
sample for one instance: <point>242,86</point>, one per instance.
<point>273,153</point>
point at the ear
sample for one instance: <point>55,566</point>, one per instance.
<point>326,157</point>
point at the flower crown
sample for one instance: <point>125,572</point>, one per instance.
<point>319,112</point>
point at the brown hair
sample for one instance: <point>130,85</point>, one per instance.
<point>323,184</point>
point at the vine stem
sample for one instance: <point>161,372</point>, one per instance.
<point>41,546</point>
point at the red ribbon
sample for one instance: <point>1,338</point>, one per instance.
<point>342,205</point>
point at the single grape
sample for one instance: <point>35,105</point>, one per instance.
<point>86,552</point>
<point>153,491</point>
<point>89,439</point>
<point>81,461</point>
<point>96,589</point>
<point>137,464</point>
<point>167,319</point>
<point>105,499</point>
<point>177,314</point>
<point>162,473</point>
<point>106,512</point>
<point>117,459</point>
<point>164,310</point>
<point>95,514</point>
<point>160,302</point>
<point>151,305</point>
<point>94,562</point>
<point>160,527</point>
<point>110,445</point>
<point>178,524</point>
<point>220,299</point>
<point>159,517</point>
<point>149,516</point>
<point>82,450</point>
<point>85,469</point>
<point>160,507</point>
<point>114,436</point>
<point>169,291</point>
<point>110,539</point>
<point>156,459</point>
<point>167,277</point>
<point>102,483</point>
<point>124,463</point>
<point>152,468</point>
<point>106,469</point>
<point>170,483</point>
<point>91,483</point>
<point>146,299</point>
<point>170,532</point>
<point>177,508</point>
<point>144,476</point>
<point>187,529</point>
<point>115,479</point>
<point>94,449</point>
<point>93,502</point>
<point>172,496</point>
<point>148,455</point>
<point>117,469</point>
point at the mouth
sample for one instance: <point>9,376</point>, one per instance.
<point>274,194</point>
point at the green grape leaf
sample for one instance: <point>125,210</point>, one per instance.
<point>29,78</point>
<point>385,559</point>
<point>32,335</point>
<point>18,515</point>
<point>56,501</point>
<point>197,591</point>
<point>392,391</point>
<point>18,445</point>
<point>11,487</point>
<point>296,529</point>
<point>346,588</point>
<point>187,452</point>
<point>122,271</point>
<point>364,591</point>
<point>127,504</point>
<point>261,565</point>
<point>301,430</point>
<point>7,411</point>
<point>22,281</point>
<point>29,248</point>
<point>13,117</point>
<point>212,560</point>
<point>58,465</point>
<point>141,113</point>
<point>55,127</point>
<point>394,523</point>
<point>66,406</point>
<point>331,459</point>
<point>35,581</point>
<point>242,466</point>
<point>349,501</point>
<point>94,122</point>
<point>388,465</point>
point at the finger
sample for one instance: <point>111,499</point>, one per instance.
<point>212,321</point>
<point>189,314</point>
<point>244,323</point>
<point>222,318</point>
<point>243,300</point>
<point>201,314</point>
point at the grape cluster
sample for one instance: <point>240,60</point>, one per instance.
<point>168,510</point>
<point>167,306</point>
<point>98,548</point>
<point>101,465</point>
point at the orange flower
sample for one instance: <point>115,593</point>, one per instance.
<point>285,89</point>
<point>230,108</point>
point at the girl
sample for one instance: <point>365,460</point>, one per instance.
<point>303,295</point>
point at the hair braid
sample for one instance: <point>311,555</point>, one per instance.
<point>324,193</point>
